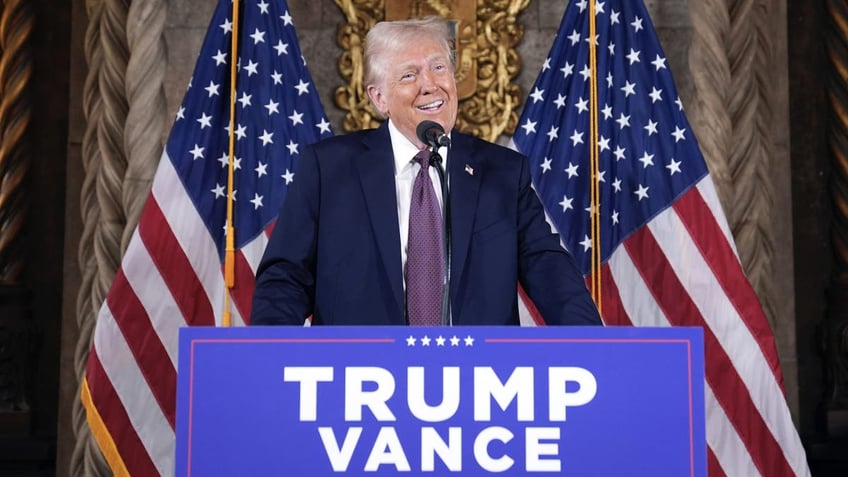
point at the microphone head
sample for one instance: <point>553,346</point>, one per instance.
<point>431,133</point>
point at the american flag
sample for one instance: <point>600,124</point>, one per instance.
<point>668,257</point>
<point>172,272</point>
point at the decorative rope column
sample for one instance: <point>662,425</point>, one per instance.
<point>836,341</point>
<point>103,148</point>
<point>730,59</point>
<point>18,340</point>
<point>16,23</point>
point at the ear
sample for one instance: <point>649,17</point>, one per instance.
<point>378,99</point>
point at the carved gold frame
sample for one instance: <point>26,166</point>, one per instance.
<point>488,109</point>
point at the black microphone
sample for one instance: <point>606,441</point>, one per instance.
<point>432,134</point>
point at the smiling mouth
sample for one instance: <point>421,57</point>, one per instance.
<point>432,106</point>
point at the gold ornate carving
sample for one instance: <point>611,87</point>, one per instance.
<point>486,34</point>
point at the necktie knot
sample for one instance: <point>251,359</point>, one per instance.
<point>423,158</point>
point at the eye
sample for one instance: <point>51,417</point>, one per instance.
<point>407,76</point>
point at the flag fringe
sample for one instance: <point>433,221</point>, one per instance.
<point>101,434</point>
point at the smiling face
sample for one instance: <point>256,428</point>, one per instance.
<point>416,84</point>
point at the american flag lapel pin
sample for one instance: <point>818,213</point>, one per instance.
<point>469,170</point>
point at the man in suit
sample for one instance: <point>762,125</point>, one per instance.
<point>343,247</point>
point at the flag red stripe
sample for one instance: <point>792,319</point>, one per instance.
<point>242,292</point>
<point>174,266</point>
<point>713,467</point>
<point>531,307</point>
<point>710,241</point>
<point>730,391</point>
<point>147,349</point>
<point>611,306</point>
<point>115,419</point>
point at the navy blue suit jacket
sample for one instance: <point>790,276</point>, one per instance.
<point>335,251</point>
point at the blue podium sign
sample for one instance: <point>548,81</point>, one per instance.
<point>572,401</point>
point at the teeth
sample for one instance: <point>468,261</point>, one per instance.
<point>434,104</point>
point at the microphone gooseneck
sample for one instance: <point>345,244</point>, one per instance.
<point>432,134</point>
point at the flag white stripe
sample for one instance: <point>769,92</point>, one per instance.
<point>727,446</point>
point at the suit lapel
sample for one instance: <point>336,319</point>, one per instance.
<point>465,175</point>
<point>377,176</point>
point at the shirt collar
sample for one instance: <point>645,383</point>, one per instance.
<point>404,150</point>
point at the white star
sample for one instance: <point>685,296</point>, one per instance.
<point>547,65</point>
<point>614,217</point>
<point>292,147</point>
<point>227,26</point>
<point>205,121</point>
<point>572,170</point>
<point>410,341</point>
<point>241,131</point>
<point>560,101</point>
<point>296,118</point>
<point>537,95</point>
<point>212,89</point>
<point>251,68</point>
<point>566,203</point>
<point>261,169</point>
<point>611,48</point>
<point>607,111</point>
<point>586,243</point>
<point>552,134</point>
<point>673,167</point>
<point>582,5</point>
<point>637,24</point>
<point>440,341</point>
<point>282,48</point>
<point>224,160</point>
<point>197,152</point>
<point>651,127</point>
<point>582,105</point>
<point>628,88</point>
<point>633,56</point>
<point>619,152</point>
<point>678,133</point>
<point>256,201</point>
<point>623,121</point>
<point>599,8</point>
<point>642,193</point>
<point>646,160</point>
<point>602,176</point>
<point>218,191</point>
<point>272,107</point>
<point>263,7</point>
<point>181,113</point>
<point>603,143</point>
<point>323,126</point>
<point>679,103</point>
<point>614,17</point>
<point>529,127</point>
<point>258,36</point>
<point>567,70</point>
<point>616,184</point>
<point>574,37</point>
<point>546,165</point>
<point>659,62</point>
<point>586,72</point>
<point>425,341</point>
<point>454,341</point>
<point>576,138</point>
<point>302,87</point>
<point>286,18</point>
<point>288,177</point>
<point>245,99</point>
<point>266,138</point>
<point>656,95</point>
<point>469,341</point>
<point>236,163</point>
<point>220,58</point>
<point>277,77</point>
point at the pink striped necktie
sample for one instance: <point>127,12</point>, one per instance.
<point>425,268</point>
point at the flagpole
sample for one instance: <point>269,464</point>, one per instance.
<point>229,255</point>
<point>594,186</point>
